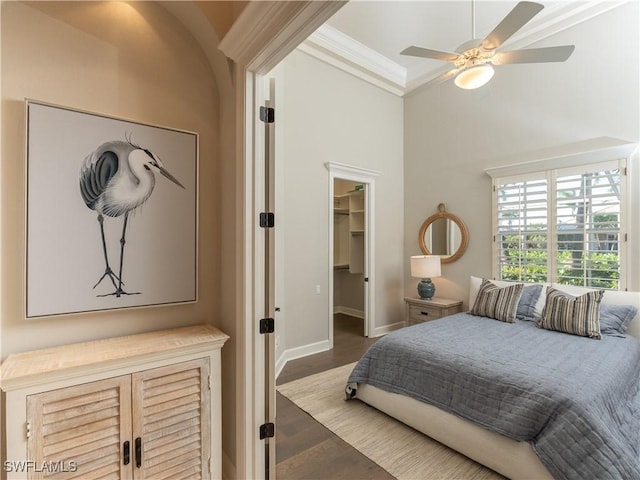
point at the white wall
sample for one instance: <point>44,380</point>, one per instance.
<point>452,135</point>
<point>325,115</point>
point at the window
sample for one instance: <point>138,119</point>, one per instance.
<point>563,225</point>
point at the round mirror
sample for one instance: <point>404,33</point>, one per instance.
<point>443,234</point>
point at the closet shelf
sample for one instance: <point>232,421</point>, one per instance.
<point>349,216</point>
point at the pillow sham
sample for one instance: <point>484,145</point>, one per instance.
<point>575,315</point>
<point>614,319</point>
<point>531,302</point>
<point>497,303</point>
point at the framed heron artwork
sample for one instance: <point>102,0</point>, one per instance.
<point>112,212</point>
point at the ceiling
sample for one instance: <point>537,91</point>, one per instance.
<point>365,38</point>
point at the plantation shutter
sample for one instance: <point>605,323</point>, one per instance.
<point>522,228</point>
<point>565,226</point>
<point>588,225</point>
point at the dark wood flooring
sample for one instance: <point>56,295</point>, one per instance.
<point>306,450</point>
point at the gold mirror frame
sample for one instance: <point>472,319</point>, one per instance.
<point>464,234</point>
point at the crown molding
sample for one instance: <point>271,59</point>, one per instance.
<point>562,18</point>
<point>335,48</point>
<point>343,52</point>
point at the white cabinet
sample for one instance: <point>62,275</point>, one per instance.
<point>349,229</point>
<point>135,407</point>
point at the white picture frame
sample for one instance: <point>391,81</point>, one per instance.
<point>82,165</point>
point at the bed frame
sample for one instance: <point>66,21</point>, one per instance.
<point>513,459</point>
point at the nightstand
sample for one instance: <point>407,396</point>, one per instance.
<point>419,310</point>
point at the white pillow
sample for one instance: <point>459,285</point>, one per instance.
<point>613,297</point>
<point>474,286</point>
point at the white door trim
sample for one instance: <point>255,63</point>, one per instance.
<point>368,177</point>
<point>260,38</point>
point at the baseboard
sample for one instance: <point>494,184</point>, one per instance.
<point>281,361</point>
<point>228,467</point>
<point>352,312</point>
<point>300,352</point>
<point>384,329</point>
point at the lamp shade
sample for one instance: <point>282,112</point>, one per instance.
<point>425,266</point>
<point>474,77</point>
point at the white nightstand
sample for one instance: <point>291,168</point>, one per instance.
<point>419,310</point>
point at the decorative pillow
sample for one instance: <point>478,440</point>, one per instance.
<point>498,303</point>
<point>576,315</point>
<point>527,304</point>
<point>524,311</point>
<point>614,319</point>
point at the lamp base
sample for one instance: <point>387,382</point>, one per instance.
<point>426,289</point>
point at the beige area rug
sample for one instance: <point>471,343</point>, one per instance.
<point>402,451</point>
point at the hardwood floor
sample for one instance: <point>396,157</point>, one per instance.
<point>306,450</point>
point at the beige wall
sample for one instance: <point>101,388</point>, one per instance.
<point>325,115</point>
<point>452,135</point>
<point>222,14</point>
<point>136,61</point>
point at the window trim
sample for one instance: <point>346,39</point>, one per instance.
<point>596,150</point>
<point>549,168</point>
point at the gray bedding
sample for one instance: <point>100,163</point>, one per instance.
<point>575,399</point>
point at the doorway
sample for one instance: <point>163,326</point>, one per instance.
<point>266,32</point>
<point>351,251</point>
<point>348,255</point>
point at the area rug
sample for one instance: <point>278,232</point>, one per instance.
<point>402,451</point>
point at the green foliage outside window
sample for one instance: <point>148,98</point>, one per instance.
<point>601,269</point>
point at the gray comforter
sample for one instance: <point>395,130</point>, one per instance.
<point>575,399</point>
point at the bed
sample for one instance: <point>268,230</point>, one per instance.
<point>526,401</point>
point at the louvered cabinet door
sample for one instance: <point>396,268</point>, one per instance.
<point>79,431</point>
<point>172,422</point>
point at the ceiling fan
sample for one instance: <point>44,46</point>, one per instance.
<point>473,60</point>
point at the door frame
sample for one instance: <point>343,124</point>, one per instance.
<point>262,36</point>
<point>368,178</point>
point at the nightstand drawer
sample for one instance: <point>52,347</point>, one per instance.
<point>423,313</point>
<point>419,310</point>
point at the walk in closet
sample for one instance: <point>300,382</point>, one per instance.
<point>349,210</point>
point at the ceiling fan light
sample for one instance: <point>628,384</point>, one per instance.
<point>474,77</point>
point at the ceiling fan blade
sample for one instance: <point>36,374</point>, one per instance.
<point>414,51</point>
<point>534,55</point>
<point>515,19</point>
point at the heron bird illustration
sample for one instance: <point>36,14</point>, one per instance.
<point>115,179</point>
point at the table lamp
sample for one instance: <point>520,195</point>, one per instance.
<point>425,267</point>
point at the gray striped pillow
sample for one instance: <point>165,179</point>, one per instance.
<point>499,303</point>
<point>576,315</point>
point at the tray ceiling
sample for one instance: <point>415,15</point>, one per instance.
<point>365,38</point>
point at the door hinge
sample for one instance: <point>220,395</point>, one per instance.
<point>267,325</point>
<point>27,427</point>
<point>210,382</point>
<point>267,220</point>
<point>267,114</point>
<point>210,471</point>
<point>267,430</point>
